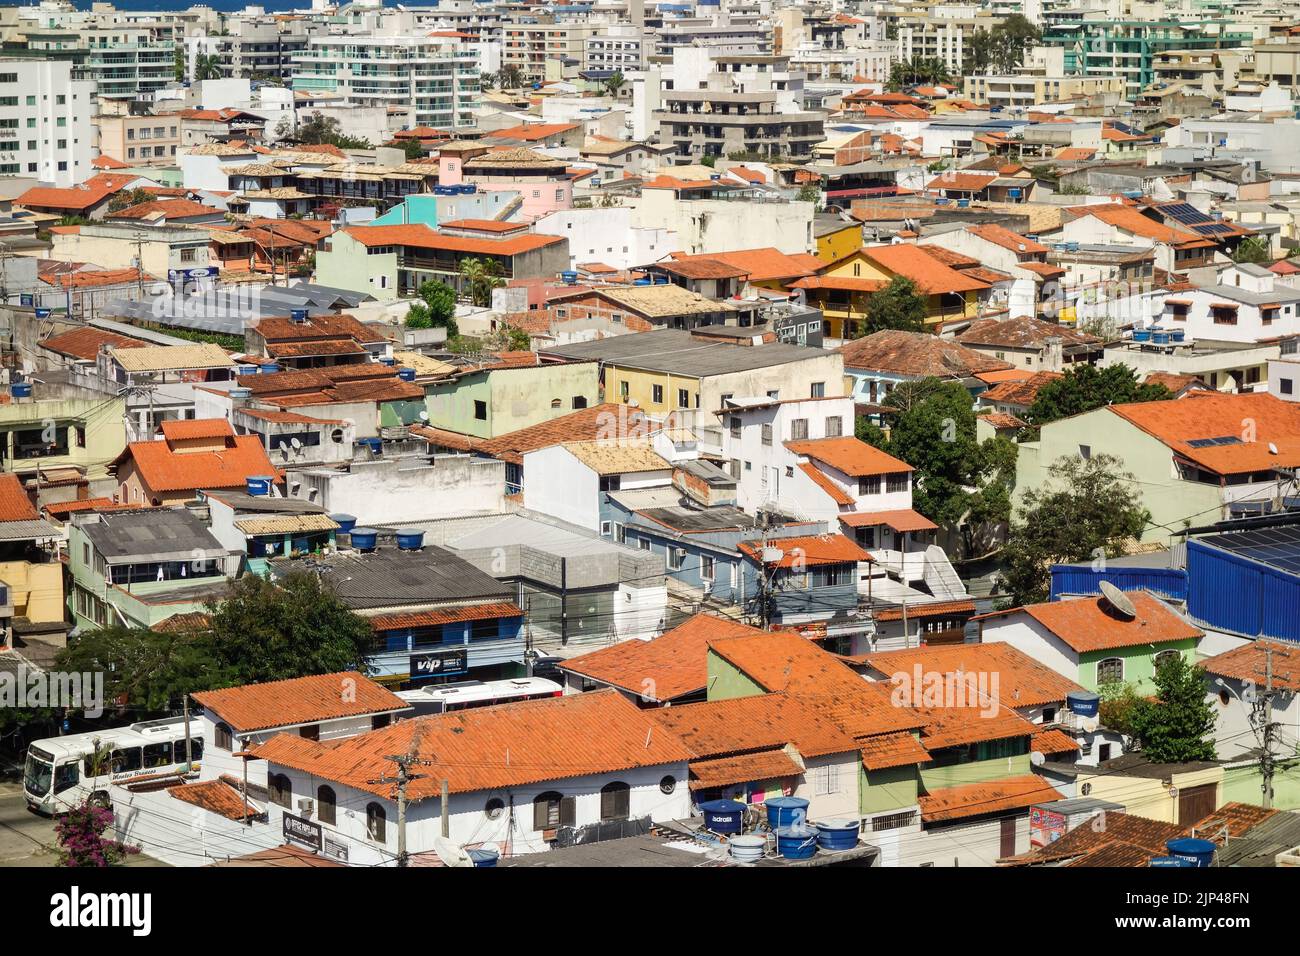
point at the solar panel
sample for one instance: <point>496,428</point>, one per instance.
<point>1207,442</point>
<point>1211,228</point>
<point>1185,213</point>
<point>1276,547</point>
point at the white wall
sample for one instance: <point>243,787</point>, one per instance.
<point>558,484</point>
<point>385,492</point>
<point>1025,634</point>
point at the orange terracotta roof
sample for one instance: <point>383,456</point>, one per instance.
<point>1210,414</point>
<point>994,796</point>
<point>930,275</point>
<point>107,162</point>
<point>1004,237</point>
<point>485,225</point>
<point>1022,680</point>
<point>300,700</point>
<point>757,722</point>
<point>1001,420</point>
<point>1074,154</point>
<point>846,283</point>
<point>532,132</point>
<point>444,615</point>
<point>492,748</point>
<point>917,354</point>
<point>84,343</point>
<point>926,610</point>
<point>77,199</point>
<point>1127,219</point>
<point>962,182</point>
<point>1088,623</point>
<point>849,455</point>
<point>664,668</point>
<point>587,424</point>
<point>899,519</point>
<point>1174,382</point>
<point>808,551</point>
<point>749,175</point>
<point>164,470</point>
<point>216,796</point>
<point>97,278</point>
<point>176,429</point>
<point>166,209</point>
<point>1052,741</point>
<point>422,237</point>
<point>14,503</point>
<point>1248,663</point>
<point>784,662</point>
<point>1022,392</point>
<point>892,750</point>
<point>742,768</point>
<point>822,481</point>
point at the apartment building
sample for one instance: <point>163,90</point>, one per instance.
<point>433,77</point>
<point>147,139</point>
<point>528,46</point>
<point>124,61</point>
<point>1029,89</point>
<point>46,129</point>
<point>257,48</point>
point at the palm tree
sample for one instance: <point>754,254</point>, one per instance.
<point>207,66</point>
<point>615,83</point>
<point>509,77</point>
<point>486,81</point>
<point>479,277</point>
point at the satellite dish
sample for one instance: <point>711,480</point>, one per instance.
<point>295,443</point>
<point>451,854</point>
<point>1272,449</point>
<point>772,555</point>
<point>1037,759</point>
<point>424,416</point>
<point>1118,600</point>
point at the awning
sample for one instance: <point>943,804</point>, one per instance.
<point>287,524</point>
<point>904,519</point>
<point>1052,742</point>
<point>892,750</point>
<point>745,768</point>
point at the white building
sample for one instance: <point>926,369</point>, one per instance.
<point>1235,680</point>
<point>608,236</point>
<point>1247,305</point>
<point>46,128</point>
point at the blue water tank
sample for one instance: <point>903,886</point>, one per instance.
<point>269,367</point>
<point>468,189</point>
<point>376,445</point>
<point>1198,852</point>
<point>442,190</point>
<point>388,360</point>
<point>345,522</point>
<point>661,280</point>
<point>21,390</point>
<point>240,393</point>
<point>786,811</point>
<point>1084,703</point>
<point>838,834</point>
<point>42,313</point>
<point>258,485</point>
<point>569,277</point>
<point>1160,337</point>
<point>963,203</point>
<point>364,539</point>
<point>410,539</point>
<point>1014,193</point>
<point>797,843</point>
<point>406,374</point>
<point>1141,335</point>
<point>641,282</point>
<point>1177,335</point>
<point>722,816</point>
<point>298,315</point>
<point>484,857</point>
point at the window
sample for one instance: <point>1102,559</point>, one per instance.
<point>900,481</point>
<point>657,394</point>
<point>894,821</point>
<point>480,410</point>
<point>1110,670</point>
<point>706,567</point>
<point>380,721</point>
<point>676,558</point>
<point>683,398</point>
<point>280,790</point>
<point>187,255</point>
<point>798,429</point>
<point>487,629</point>
<point>1049,715</point>
<point>579,401</point>
<point>325,804</point>
<point>309,732</point>
<point>832,575</point>
<point>376,823</point>
<point>826,779</point>
<point>1166,657</point>
<point>225,739</point>
<point>818,390</point>
<point>623,391</point>
<point>1286,386</point>
<point>834,426</point>
<point>643,544</point>
<point>65,777</point>
<point>1085,452</point>
<point>551,810</point>
<point>767,434</point>
<point>606,528</point>
<point>615,801</point>
<point>734,425</point>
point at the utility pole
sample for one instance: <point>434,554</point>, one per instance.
<point>189,747</point>
<point>404,777</point>
<point>1263,714</point>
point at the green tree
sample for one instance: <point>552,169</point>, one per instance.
<point>518,340</point>
<point>178,63</point>
<point>1087,510</point>
<point>436,310</point>
<point>80,834</point>
<point>207,66</point>
<point>1085,387</point>
<point>1177,726</point>
<point>1253,249</point>
<point>321,130</point>
<point>486,81</point>
<point>978,52</point>
<point>898,305</point>
<point>1011,40</point>
<point>708,159</point>
<point>615,83</point>
<point>1120,707</point>
<point>809,192</point>
<point>296,626</point>
<point>413,148</point>
<point>480,277</point>
<point>918,71</point>
<point>510,77</point>
<point>127,198</point>
<point>960,482</point>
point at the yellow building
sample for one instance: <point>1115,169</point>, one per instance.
<point>836,239</point>
<point>31,575</point>
<point>841,290</point>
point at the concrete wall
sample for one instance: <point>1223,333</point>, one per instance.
<point>393,490</point>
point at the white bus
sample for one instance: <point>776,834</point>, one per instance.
<point>63,772</point>
<point>440,698</point>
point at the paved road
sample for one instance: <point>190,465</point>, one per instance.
<point>27,839</point>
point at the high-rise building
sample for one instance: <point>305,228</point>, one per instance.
<point>46,128</point>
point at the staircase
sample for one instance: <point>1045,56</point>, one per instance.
<point>940,577</point>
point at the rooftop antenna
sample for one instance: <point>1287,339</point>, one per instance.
<point>1118,600</point>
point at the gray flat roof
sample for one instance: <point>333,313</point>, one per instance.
<point>393,578</point>
<point>677,351</point>
<point>153,533</point>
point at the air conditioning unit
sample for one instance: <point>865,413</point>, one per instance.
<point>306,805</point>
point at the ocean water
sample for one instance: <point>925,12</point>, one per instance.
<point>225,6</point>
